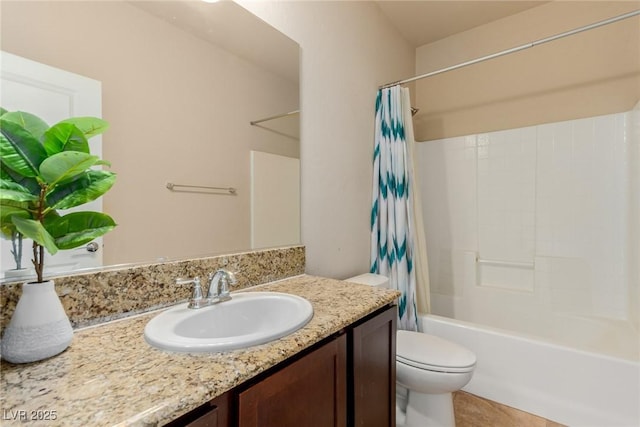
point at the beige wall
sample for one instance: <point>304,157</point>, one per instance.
<point>176,114</point>
<point>592,73</point>
<point>348,50</point>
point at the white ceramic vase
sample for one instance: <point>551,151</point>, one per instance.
<point>39,327</point>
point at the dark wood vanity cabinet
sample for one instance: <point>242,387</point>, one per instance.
<point>373,371</point>
<point>216,413</point>
<point>347,380</point>
<point>309,392</point>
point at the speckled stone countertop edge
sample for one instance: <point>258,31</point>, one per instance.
<point>111,376</point>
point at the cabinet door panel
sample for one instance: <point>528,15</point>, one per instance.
<point>374,371</point>
<point>310,392</point>
<point>213,414</point>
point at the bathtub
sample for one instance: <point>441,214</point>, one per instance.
<point>569,386</point>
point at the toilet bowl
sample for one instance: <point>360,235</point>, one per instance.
<point>429,368</point>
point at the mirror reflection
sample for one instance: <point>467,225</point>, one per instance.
<point>180,83</point>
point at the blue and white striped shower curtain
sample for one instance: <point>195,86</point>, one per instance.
<point>392,232</point>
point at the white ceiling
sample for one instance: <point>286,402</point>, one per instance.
<point>230,26</point>
<point>422,22</point>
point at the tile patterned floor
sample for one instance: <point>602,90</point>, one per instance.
<point>474,411</point>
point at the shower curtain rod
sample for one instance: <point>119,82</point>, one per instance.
<point>277,116</point>
<point>516,49</point>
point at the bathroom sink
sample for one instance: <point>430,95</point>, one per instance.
<point>249,318</point>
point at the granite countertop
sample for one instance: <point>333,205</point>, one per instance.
<point>111,376</point>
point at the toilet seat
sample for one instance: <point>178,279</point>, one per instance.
<point>428,352</point>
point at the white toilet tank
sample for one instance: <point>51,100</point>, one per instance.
<point>371,279</point>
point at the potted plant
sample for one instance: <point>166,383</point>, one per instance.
<point>45,170</point>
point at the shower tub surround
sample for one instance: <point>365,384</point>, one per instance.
<point>536,230</point>
<point>533,236</point>
<point>97,297</point>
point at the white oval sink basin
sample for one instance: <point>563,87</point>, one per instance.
<point>249,318</point>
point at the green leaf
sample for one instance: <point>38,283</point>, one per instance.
<point>64,137</point>
<point>16,192</point>
<point>6,225</point>
<point>3,111</point>
<point>35,231</point>
<point>90,126</point>
<point>29,183</point>
<point>78,228</point>
<point>66,165</point>
<point>31,123</point>
<point>84,189</point>
<point>10,204</point>
<point>19,149</point>
<point>49,218</point>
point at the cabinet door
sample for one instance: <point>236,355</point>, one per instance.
<point>213,414</point>
<point>373,349</point>
<point>310,392</point>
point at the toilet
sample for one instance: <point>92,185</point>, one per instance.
<point>429,368</point>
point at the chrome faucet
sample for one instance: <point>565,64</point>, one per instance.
<point>219,285</point>
<point>218,289</point>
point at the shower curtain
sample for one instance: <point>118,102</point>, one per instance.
<point>397,251</point>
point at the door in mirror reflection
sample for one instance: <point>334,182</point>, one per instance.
<point>53,95</point>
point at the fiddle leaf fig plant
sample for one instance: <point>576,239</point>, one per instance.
<point>44,170</point>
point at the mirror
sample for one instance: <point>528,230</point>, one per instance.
<point>181,82</point>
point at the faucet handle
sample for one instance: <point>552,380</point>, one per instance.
<point>197,300</point>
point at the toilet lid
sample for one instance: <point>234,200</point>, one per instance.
<point>432,353</point>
